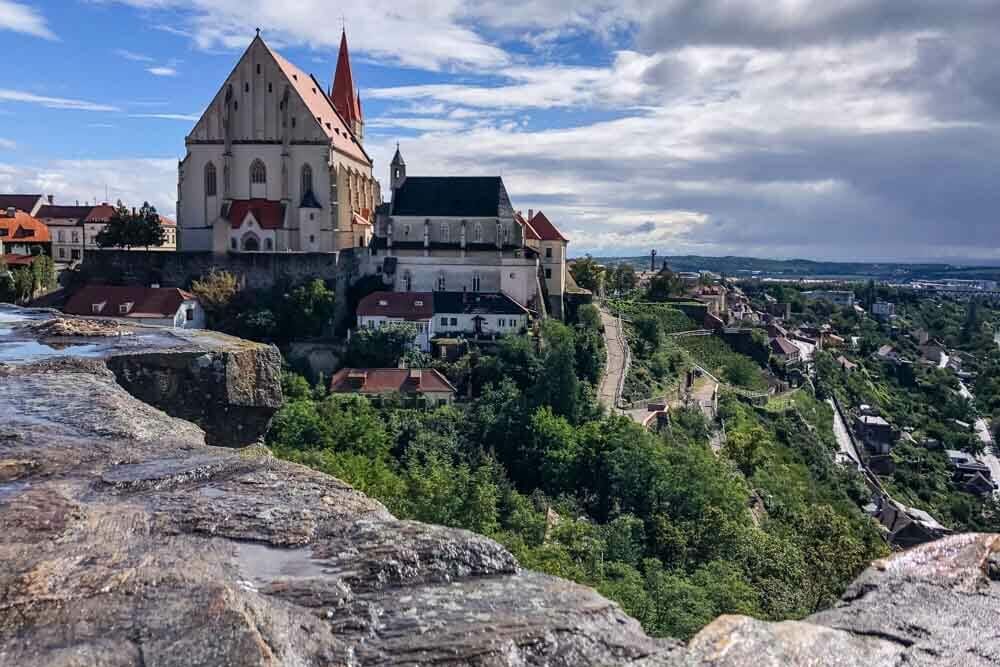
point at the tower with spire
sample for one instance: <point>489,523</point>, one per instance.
<point>397,170</point>
<point>345,97</point>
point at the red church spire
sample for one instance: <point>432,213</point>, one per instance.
<point>343,94</point>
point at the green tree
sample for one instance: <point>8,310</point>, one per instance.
<point>132,229</point>
<point>382,347</point>
<point>664,285</point>
<point>623,278</point>
<point>558,385</point>
<point>588,274</point>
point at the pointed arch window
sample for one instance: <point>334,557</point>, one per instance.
<point>211,180</point>
<point>477,233</point>
<point>441,283</point>
<point>445,232</point>
<point>307,179</point>
<point>476,282</point>
<point>258,173</point>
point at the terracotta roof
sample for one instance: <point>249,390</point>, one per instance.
<point>18,260</point>
<point>403,305</point>
<point>147,302</point>
<point>389,380</point>
<point>529,232</point>
<point>343,94</point>
<point>22,202</point>
<point>167,222</point>
<point>269,214</point>
<point>23,228</point>
<point>100,213</point>
<point>545,229</point>
<point>321,108</point>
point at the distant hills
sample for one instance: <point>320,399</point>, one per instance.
<point>738,267</point>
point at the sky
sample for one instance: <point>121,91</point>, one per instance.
<point>861,130</point>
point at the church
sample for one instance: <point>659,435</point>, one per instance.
<point>276,163</point>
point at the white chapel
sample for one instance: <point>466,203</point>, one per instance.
<point>276,162</point>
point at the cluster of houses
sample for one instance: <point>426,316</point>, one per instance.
<point>276,163</point>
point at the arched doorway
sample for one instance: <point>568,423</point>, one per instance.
<point>251,243</point>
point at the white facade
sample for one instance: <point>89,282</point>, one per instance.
<point>271,133</point>
<point>424,328</point>
<point>452,324</point>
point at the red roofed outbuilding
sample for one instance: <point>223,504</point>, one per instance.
<point>414,384</point>
<point>164,306</point>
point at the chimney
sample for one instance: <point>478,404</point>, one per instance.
<point>11,212</point>
<point>414,376</point>
<point>51,199</point>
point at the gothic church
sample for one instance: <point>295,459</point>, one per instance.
<point>276,163</point>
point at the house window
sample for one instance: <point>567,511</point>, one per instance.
<point>62,253</point>
<point>62,236</point>
<point>312,238</point>
<point>246,87</point>
<point>258,68</point>
<point>124,308</point>
<point>211,185</point>
<point>189,314</point>
<point>477,233</point>
<point>548,253</point>
<point>445,232</point>
<point>293,122</point>
<point>307,179</point>
<point>269,88</point>
<point>475,282</point>
<point>407,282</point>
<point>548,273</point>
<point>444,321</point>
<point>75,254</point>
<point>454,321</point>
<point>76,237</point>
<point>406,230</point>
<point>269,244</point>
<point>96,307</point>
<point>440,283</point>
<point>258,172</point>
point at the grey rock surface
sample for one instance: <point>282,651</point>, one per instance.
<point>126,540</point>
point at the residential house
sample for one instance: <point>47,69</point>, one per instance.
<point>27,203</point>
<point>970,474</point>
<point>23,234</point>
<point>842,298</point>
<point>479,315</point>
<point>550,244</point>
<point>423,387</point>
<point>163,306</point>
<point>875,432</point>
<point>884,310</point>
<point>75,229</point>
<point>847,364</point>
<point>784,352</point>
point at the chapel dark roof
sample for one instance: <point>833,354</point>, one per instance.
<point>476,303</point>
<point>451,196</point>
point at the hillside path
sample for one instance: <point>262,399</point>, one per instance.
<point>613,377</point>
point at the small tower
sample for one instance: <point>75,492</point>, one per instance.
<point>397,170</point>
<point>345,97</point>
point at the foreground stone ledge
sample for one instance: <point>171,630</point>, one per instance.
<point>126,540</point>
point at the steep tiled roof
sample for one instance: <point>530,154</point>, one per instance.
<point>389,380</point>
<point>269,214</point>
<point>343,94</point>
<point>545,229</point>
<point>147,302</point>
<point>450,196</point>
<point>64,212</point>
<point>23,202</point>
<point>476,303</point>
<point>100,213</point>
<point>320,106</point>
<point>529,232</point>
<point>23,228</point>
<point>403,305</point>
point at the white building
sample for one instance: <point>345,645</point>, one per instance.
<point>276,162</point>
<point>476,315</point>
<point>842,298</point>
<point>460,233</point>
<point>162,306</point>
<point>884,310</point>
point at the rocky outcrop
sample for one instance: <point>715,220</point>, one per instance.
<point>126,540</point>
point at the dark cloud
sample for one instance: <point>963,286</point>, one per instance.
<point>782,24</point>
<point>645,228</point>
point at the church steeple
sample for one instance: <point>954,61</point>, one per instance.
<point>343,94</point>
<point>397,170</point>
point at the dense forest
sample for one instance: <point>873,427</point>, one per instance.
<point>673,531</point>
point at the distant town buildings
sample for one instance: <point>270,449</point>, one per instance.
<point>75,229</point>
<point>884,310</point>
<point>23,234</point>
<point>841,298</point>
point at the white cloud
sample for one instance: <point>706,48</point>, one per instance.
<point>7,144</point>
<point>53,102</point>
<point>133,56</point>
<point>162,70</point>
<point>24,19</point>
<point>193,118</point>
<point>131,180</point>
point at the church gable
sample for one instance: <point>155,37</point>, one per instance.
<point>269,97</point>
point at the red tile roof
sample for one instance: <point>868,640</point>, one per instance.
<point>18,260</point>
<point>389,380</point>
<point>147,302</point>
<point>321,108</point>
<point>100,213</point>
<point>167,222</point>
<point>403,305</point>
<point>269,214</point>
<point>22,228</point>
<point>546,230</point>
<point>529,232</point>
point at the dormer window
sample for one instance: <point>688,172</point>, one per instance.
<point>383,302</point>
<point>125,308</point>
<point>418,303</point>
<point>97,307</point>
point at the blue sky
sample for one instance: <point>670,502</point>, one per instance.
<point>842,129</point>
